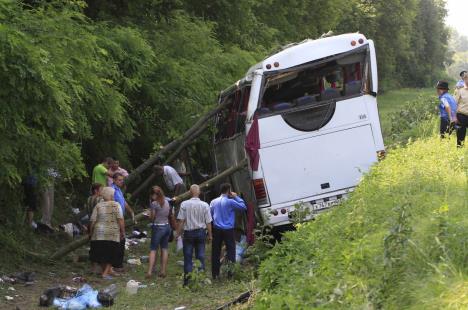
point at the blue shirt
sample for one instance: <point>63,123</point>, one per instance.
<point>223,211</point>
<point>447,99</point>
<point>119,197</point>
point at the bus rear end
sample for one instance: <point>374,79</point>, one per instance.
<point>318,129</point>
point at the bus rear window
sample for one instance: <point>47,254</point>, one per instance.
<point>314,85</point>
<point>231,120</point>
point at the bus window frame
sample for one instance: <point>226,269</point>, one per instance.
<point>238,129</point>
<point>315,63</point>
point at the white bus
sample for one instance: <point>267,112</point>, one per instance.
<point>307,120</point>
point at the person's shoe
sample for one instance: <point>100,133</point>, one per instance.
<point>148,276</point>
<point>161,275</point>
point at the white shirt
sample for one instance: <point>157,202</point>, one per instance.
<point>196,214</point>
<point>171,177</point>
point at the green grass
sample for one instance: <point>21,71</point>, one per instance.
<point>394,101</point>
<point>400,241</point>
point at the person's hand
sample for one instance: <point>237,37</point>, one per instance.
<point>174,199</point>
<point>232,194</point>
<point>209,238</point>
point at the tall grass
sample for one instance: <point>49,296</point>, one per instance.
<point>400,241</point>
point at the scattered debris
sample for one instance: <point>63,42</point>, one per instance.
<point>137,234</point>
<point>144,259</point>
<point>79,279</point>
<point>106,296</point>
<point>180,308</point>
<point>85,297</point>
<point>9,298</point>
<point>134,261</point>
<point>11,288</point>
<point>62,291</point>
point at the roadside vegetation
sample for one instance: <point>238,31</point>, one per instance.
<point>399,242</point>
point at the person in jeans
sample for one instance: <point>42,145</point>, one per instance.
<point>461,98</point>
<point>223,213</point>
<point>161,217</point>
<point>447,109</point>
<point>194,219</point>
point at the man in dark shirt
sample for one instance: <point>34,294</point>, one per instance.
<point>223,213</point>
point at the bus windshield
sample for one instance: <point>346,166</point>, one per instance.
<point>315,84</point>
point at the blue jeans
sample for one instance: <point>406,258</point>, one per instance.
<point>194,239</point>
<point>160,236</point>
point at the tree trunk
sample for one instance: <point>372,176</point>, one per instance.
<point>189,135</point>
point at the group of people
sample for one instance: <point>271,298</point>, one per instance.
<point>193,220</point>
<point>453,109</point>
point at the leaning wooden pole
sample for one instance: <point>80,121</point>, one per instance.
<point>188,135</point>
<point>60,253</point>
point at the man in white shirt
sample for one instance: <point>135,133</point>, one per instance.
<point>194,219</point>
<point>174,182</point>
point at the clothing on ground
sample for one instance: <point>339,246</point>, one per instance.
<point>196,214</point>
<point>171,178</point>
<point>106,216</point>
<point>100,175</point>
<point>119,197</point>
<point>223,210</point>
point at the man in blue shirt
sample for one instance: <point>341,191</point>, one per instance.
<point>119,197</point>
<point>223,213</point>
<point>447,109</point>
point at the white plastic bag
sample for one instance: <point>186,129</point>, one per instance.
<point>180,244</point>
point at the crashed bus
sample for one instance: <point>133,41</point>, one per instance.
<point>306,119</point>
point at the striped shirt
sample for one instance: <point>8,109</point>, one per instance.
<point>196,214</point>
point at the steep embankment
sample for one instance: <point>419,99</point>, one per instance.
<point>400,241</point>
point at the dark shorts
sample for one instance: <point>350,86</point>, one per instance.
<point>160,236</point>
<point>30,197</point>
<point>104,252</point>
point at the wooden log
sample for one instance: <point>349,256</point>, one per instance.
<point>188,135</point>
<point>60,253</point>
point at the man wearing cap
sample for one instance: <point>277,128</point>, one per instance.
<point>447,109</point>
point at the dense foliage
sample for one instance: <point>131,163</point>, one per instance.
<point>400,242</point>
<point>86,79</point>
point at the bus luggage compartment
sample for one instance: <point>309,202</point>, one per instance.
<point>303,168</point>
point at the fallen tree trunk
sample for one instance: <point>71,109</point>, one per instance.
<point>188,135</point>
<point>60,253</point>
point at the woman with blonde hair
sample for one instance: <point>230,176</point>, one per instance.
<point>107,228</point>
<point>162,219</point>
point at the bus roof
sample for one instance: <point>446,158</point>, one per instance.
<point>309,50</point>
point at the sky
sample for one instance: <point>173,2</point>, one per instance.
<point>457,15</point>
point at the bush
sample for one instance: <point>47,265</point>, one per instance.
<point>399,242</point>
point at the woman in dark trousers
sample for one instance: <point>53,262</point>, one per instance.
<point>461,96</point>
